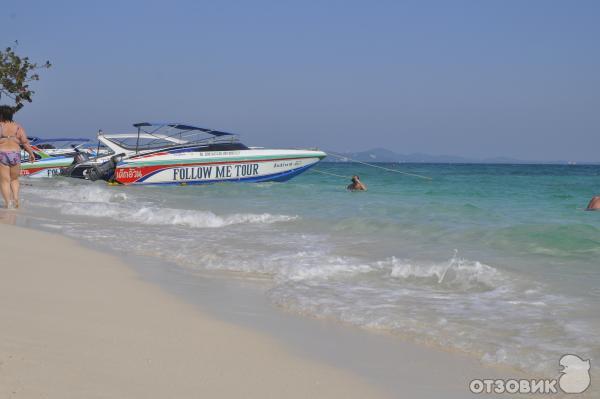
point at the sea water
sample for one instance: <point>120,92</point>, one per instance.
<point>499,261</point>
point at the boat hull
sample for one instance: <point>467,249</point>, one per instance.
<point>236,166</point>
<point>48,167</point>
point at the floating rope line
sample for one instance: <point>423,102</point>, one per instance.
<point>328,173</point>
<point>378,167</point>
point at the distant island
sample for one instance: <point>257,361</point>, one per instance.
<point>384,155</point>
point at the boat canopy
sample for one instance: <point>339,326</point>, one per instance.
<point>181,126</point>
<point>156,136</point>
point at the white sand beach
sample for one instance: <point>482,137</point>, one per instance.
<point>79,324</point>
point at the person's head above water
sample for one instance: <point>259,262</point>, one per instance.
<point>6,113</point>
<point>356,184</point>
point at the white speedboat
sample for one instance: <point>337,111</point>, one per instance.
<point>176,153</point>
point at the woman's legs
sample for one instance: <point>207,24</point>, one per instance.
<point>15,171</point>
<point>5,184</point>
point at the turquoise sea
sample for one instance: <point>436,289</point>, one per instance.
<point>500,261</point>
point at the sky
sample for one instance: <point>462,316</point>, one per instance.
<point>466,78</point>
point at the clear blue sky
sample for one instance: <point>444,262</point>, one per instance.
<point>471,78</point>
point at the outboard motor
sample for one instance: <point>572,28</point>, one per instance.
<point>104,171</point>
<point>79,158</point>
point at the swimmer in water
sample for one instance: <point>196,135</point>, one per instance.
<point>356,185</point>
<point>594,204</point>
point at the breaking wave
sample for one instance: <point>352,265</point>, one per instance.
<point>167,216</point>
<point>101,202</point>
<point>460,274</point>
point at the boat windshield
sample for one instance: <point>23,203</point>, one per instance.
<point>143,143</point>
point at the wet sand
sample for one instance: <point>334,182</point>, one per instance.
<point>77,323</point>
<point>80,323</point>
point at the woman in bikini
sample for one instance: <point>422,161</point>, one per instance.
<point>12,137</point>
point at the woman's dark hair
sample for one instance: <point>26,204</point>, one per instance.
<point>6,113</point>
